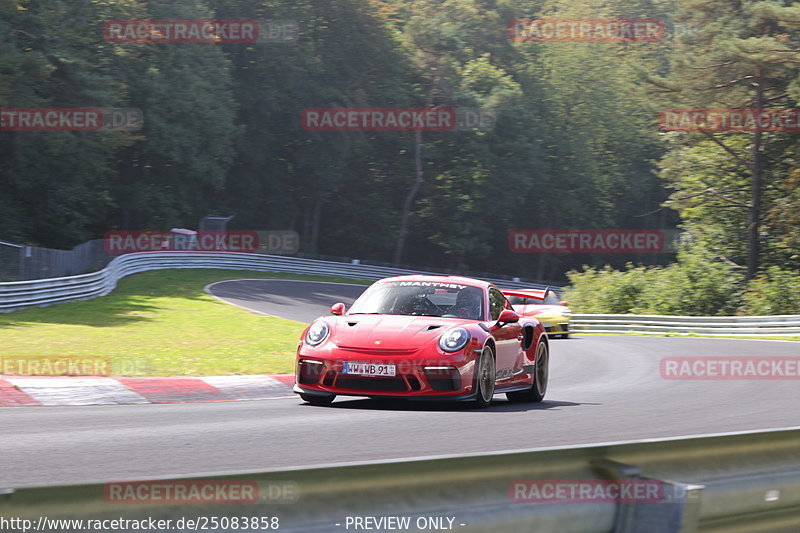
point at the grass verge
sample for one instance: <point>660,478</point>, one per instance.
<point>159,323</point>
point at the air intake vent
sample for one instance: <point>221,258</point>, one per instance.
<point>413,383</point>
<point>432,328</point>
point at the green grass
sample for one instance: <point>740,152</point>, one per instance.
<point>160,323</point>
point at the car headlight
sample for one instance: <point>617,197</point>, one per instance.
<point>454,340</point>
<point>317,333</point>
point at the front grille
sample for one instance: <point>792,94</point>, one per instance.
<point>395,384</point>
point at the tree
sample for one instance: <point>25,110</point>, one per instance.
<point>175,171</point>
<point>743,55</point>
<point>55,184</point>
<point>320,183</point>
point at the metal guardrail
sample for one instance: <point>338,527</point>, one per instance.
<point>17,295</point>
<point>778,325</point>
<point>729,483</point>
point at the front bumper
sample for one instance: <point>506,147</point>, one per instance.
<point>445,377</point>
<point>439,397</point>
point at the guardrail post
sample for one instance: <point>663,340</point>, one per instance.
<point>677,511</point>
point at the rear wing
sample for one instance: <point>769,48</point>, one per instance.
<point>535,294</point>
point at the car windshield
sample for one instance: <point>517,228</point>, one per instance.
<point>551,299</point>
<point>421,298</point>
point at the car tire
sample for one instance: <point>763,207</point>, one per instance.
<point>318,399</point>
<point>485,376</point>
<point>538,389</point>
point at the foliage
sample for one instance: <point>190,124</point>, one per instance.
<point>571,147</point>
<point>696,285</point>
<point>728,185</point>
<point>775,292</point>
<point>605,290</point>
<point>575,144</point>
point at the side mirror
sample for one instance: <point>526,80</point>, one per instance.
<point>337,309</point>
<point>507,316</point>
<point>564,303</point>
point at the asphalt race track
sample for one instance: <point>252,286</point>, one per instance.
<point>601,389</point>
<point>293,300</point>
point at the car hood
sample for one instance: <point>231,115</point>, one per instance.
<point>388,332</point>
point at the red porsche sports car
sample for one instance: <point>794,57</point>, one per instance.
<point>432,337</point>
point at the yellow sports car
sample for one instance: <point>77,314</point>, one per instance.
<point>544,305</point>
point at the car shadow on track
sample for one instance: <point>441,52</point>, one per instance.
<point>411,405</point>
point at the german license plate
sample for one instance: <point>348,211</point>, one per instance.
<point>368,369</point>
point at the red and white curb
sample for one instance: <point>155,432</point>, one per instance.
<point>36,391</point>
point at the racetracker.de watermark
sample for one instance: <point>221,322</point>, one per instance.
<point>55,366</point>
<point>174,31</point>
<point>557,241</point>
<point>587,490</point>
<point>730,368</point>
<point>397,119</point>
<point>612,30</point>
<point>71,119</point>
<point>73,365</point>
<point>731,119</point>
<point>278,241</point>
<point>201,492</point>
<point>125,242</point>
